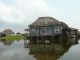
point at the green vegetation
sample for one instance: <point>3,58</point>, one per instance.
<point>13,37</point>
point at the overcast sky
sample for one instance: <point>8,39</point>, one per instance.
<point>18,14</point>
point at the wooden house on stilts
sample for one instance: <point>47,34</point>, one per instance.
<point>46,28</point>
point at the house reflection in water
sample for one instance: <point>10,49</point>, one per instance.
<point>49,51</point>
<point>7,42</point>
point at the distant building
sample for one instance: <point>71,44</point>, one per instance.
<point>2,35</point>
<point>74,32</point>
<point>8,32</point>
<point>18,33</point>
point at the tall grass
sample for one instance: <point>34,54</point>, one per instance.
<point>13,37</point>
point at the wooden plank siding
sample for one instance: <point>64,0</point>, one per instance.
<point>44,31</point>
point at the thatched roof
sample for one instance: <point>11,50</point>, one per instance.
<point>48,21</point>
<point>64,25</point>
<point>71,28</point>
<point>9,31</point>
<point>45,21</point>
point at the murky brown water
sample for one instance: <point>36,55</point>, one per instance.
<point>15,50</point>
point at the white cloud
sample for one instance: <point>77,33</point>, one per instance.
<point>23,12</point>
<point>36,8</point>
<point>6,13</point>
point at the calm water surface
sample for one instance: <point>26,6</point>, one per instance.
<point>15,50</point>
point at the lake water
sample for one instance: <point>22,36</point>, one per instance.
<point>15,50</point>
